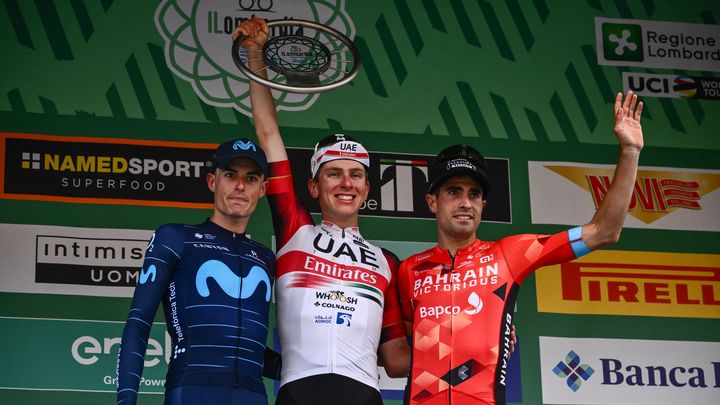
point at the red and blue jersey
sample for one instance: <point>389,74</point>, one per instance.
<point>459,311</point>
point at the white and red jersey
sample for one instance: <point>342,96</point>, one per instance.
<point>330,290</point>
<point>460,312</point>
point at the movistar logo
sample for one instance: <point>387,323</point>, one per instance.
<point>244,145</point>
<point>232,284</point>
<point>149,274</point>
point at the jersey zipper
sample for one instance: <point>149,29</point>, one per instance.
<point>452,319</point>
<point>237,345</point>
<point>334,325</point>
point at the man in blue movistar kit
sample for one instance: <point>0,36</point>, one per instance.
<point>215,287</point>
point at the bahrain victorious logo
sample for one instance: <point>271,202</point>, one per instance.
<point>232,284</point>
<point>657,192</point>
<point>197,36</point>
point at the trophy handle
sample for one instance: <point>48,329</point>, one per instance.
<point>301,56</point>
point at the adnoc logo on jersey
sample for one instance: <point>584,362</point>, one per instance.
<point>197,37</point>
<point>618,371</point>
<point>660,44</point>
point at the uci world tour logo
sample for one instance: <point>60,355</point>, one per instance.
<point>197,37</point>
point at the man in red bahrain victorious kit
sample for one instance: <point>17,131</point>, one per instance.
<point>458,297</point>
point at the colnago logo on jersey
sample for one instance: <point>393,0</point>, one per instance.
<point>657,192</point>
<point>197,37</point>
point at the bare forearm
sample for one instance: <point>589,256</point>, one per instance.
<point>255,33</point>
<point>606,224</point>
<point>608,221</point>
<point>394,355</point>
<point>265,117</point>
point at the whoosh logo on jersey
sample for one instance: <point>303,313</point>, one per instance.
<point>656,194</point>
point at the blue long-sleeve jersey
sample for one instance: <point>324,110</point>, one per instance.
<point>215,287</point>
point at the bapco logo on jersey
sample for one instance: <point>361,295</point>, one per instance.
<point>475,304</point>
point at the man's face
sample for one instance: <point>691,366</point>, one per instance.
<point>341,188</point>
<point>457,205</point>
<point>237,189</point>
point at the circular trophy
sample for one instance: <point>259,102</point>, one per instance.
<point>299,56</point>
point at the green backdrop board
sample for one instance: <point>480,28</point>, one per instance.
<point>109,111</point>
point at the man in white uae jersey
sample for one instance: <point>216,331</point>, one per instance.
<point>336,302</point>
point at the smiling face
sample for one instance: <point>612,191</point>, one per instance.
<point>341,186</point>
<point>457,205</point>
<point>237,189</point>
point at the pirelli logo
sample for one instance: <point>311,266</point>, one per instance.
<point>633,283</point>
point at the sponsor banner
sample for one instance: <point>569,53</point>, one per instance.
<point>104,170</point>
<point>398,183</point>
<point>78,355</point>
<point>66,260</point>
<point>672,86</point>
<point>155,173</point>
<point>659,44</point>
<point>197,44</point>
<point>679,285</point>
<point>664,198</point>
<point>629,372</point>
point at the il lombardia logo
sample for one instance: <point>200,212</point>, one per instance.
<point>197,37</point>
<point>622,42</point>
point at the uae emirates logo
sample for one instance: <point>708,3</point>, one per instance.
<point>198,40</point>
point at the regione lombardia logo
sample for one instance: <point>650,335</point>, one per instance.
<point>197,35</point>
<point>622,42</point>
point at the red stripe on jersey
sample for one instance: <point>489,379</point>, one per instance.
<point>298,261</point>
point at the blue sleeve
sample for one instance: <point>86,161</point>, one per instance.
<point>578,246</point>
<point>161,256</point>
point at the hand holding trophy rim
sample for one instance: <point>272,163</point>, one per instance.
<point>299,56</point>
